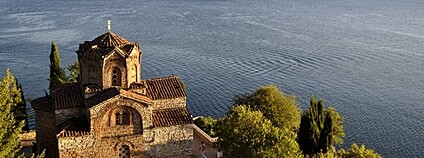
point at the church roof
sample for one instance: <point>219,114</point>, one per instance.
<point>43,104</point>
<point>165,88</point>
<point>108,40</point>
<point>68,95</point>
<point>107,43</point>
<point>112,92</point>
<point>171,117</point>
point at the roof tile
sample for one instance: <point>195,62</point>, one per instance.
<point>108,40</point>
<point>43,104</point>
<point>171,117</point>
<point>165,88</point>
<point>101,97</point>
<point>67,95</point>
<point>110,93</point>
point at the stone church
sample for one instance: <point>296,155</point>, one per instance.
<point>111,111</point>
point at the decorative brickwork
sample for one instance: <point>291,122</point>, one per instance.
<point>111,111</point>
<point>110,60</point>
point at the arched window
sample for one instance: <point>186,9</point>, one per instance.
<point>135,73</point>
<point>124,151</point>
<point>116,77</point>
<point>122,118</point>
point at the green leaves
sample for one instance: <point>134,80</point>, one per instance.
<point>9,129</point>
<point>261,124</point>
<point>356,151</point>
<point>245,132</point>
<point>282,110</point>
<point>57,73</point>
<point>206,124</point>
<point>74,71</point>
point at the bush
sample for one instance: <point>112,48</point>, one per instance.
<point>206,124</point>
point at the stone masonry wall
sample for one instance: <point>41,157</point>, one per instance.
<point>174,141</point>
<point>169,103</point>
<point>88,146</point>
<point>46,133</point>
<point>133,65</point>
<point>91,68</point>
<point>110,63</point>
<point>106,139</point>
<point>101,115</point>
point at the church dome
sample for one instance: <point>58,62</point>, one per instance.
<point>108,40</point>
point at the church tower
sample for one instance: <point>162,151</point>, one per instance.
<point>109,61</point>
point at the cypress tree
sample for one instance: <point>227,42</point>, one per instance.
<point>57,74</point>
<point>320,129</point>
<point>20,109</point>
<point>9,129</point>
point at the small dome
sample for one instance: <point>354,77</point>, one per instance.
<point>108,40</point>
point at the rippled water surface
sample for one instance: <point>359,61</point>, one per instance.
<point>364,57</point>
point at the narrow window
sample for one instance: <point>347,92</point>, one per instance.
<point>122,118</point>
<point>117,119</point>
<point>116,77</point>
<point>135,73</point>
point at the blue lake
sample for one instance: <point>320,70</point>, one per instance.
<point>364,57</point>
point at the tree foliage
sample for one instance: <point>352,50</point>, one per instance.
<point>57,74</point>
<point>320,128</point>
<point>282,110</point>
<point>356,151</point>
<point>329,154</point>
<point>245,132</point>
<point>74,71</point>
<point>20,110</point>
<point>206,124</point>
<point>9,129</point>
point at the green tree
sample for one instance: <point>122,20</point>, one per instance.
<point>329,154</point>
<point>282,110</point>
<point>320,129</point>
<point>356,151</point>
<point>57,74</point>
<point>74,71</point>
<point>244,132</point>
<point>206,124</point>
<point>20,110</point>
<point>9,129</point>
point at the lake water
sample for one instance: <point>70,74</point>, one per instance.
<point>364,57</point>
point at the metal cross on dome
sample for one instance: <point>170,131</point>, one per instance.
<point>108,25</point>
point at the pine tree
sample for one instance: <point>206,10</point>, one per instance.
<point>9,129</point>
<point>57,74</point>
